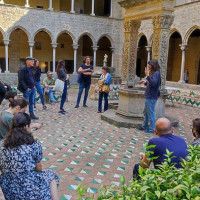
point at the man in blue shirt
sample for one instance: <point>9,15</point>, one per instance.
<point>26,83</point>
<point>166,140</point>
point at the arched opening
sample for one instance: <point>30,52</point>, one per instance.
<point>2,54</point>
<point>174,57</point>
<point>104,47</point>
<point>18,49</point>
<point>42,51</point>
<point>192,57</point>
<point>85,49</point>
<point>141,57</point>
<point>101,8</point>
<point>65,51</point>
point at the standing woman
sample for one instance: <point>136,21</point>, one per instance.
<point>106,78</point>
<point>186,76</point>
<point>153,81</point>
<point>85,71</point>
<point>22,176</point>
<point>37,75</point>
<point>62,75</point>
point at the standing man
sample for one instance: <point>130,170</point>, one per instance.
<point>26,83</point>
<point>85,72</point>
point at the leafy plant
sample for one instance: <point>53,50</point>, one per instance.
<point>165,183</point>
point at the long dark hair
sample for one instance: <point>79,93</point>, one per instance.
<point>21,102</point>
<point>35,66</point>
<point>61,64</point>
<point>196,125</point>
<point>154,66</point>
<point>18,135</point>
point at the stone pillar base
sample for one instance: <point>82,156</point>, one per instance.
<point>181,81</point>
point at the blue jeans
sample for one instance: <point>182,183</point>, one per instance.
<point>101,95</point>
<point>51,95</point>
<point>64,96</point>
<point>149,115</point>
<point>83,85</point>
<point>29,96</point>
<point>40,91</point>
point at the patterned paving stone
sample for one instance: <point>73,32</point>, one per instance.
<point>81,148</point>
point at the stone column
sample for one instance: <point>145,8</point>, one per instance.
<point>72,7</point>
<point>31,44</point>
<point>130,51</point>
<point>75,47</point>
<point>95,48</point>
<point>27,3</point>
<point>161,27</point>
<point>183,47</point>
<point>1,1</point>
<point>50,5</point>
<point>6,42</point>
<point>112,58</point>
<point>111,14</point>
<point>93,14</point>
<point>149,50</point>
<point>54,56</point>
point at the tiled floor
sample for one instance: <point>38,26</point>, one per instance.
<point>81,148</point>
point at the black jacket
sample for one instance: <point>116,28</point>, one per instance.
<point>3,90</point>
<point>23,77</point>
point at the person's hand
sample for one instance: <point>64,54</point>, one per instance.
<point>142,82</point>
<point>142,155</point>
<point>28,89</point>
<point>34,87</point>
<point>5,86</point>
<point>146,71</point>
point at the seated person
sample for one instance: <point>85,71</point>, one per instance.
<point>3,90</point>
<point>6,116</point>
<point>196,132</point>
<point>165,140</point>
<point>49,85</point>
<point>5,103</point>
<point>22,176</point>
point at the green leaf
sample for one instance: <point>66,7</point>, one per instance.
<point>157,193</point>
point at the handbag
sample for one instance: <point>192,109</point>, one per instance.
<point>59,85</point>
<point>105,89</point>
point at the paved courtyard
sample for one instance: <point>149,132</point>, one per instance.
<point>81,148</point>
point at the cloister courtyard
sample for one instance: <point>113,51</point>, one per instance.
<point>81,148</point>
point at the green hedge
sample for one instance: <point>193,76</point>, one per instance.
<point>165,183</point>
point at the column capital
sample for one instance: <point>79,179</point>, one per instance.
<point>6,42</point>
<point>130,25</point>
<point>163,21</point>
<point>31,43</point>
<point>54,45</point>
<point>95,48</point>
<point>75,46</point>
<point>148,48</point>
<point>112,49</point>
<point>183,47</point>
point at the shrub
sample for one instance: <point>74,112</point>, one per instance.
<point>165,183</point>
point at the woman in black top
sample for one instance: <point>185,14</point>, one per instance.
<point>62,75</point>
<point>85,70</point>
<point>38,86</point>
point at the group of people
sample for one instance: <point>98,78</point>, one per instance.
<point>20,154</point>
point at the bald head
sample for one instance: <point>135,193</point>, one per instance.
<point>163,126</point>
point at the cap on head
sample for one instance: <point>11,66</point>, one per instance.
<point>29,58</point>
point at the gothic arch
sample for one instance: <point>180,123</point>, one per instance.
<point>193,28</point>
<point>68,32</point>
<point>89,35</point>
<point>109,38</point>
<point>140,36</point>
<point>8,33</point>
<point>173,31</point>
<point>46,31</point>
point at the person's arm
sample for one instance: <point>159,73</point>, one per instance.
<point>45,83</point>
<point>2,88</point>
<point>144,161</point>
<point>22,81</point>
<point>154,79</point>
<point>37,154</point>
<point>108,80</point>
